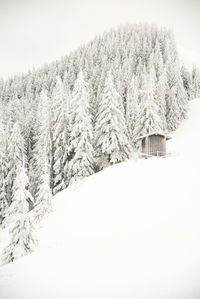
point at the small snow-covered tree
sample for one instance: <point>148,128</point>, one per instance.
<point>57,131</point>
<point>23,239</point>
<point>81,153</point>
<point>111,141</point>
<point>21,196</point>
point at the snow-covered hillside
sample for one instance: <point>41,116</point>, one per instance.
<point>190,58</point>
<point>129,231</point>
<point>185,141</point>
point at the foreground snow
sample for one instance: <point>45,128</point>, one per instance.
<point>130,231</point>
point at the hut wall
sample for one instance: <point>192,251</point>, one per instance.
<point>156,145</point>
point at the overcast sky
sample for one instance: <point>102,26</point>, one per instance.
<point>34,32</point>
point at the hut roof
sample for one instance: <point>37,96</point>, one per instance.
<point>153,134</point>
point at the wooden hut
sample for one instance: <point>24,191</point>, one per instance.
<point>153,144</point>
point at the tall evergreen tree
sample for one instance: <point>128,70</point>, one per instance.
<point>57,129</point>
<point>196,81</point>
<point>15,157</point>
<point>148,120</point>
<point>81,153</point>
<point>132,106</point>
<point>187,82</point>
<point>41,159</point>
<point>3,201</point>
<point>112,144</point>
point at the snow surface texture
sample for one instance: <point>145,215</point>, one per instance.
<point>185,141</point>
<point>129,231</point>
<point>189,57</point>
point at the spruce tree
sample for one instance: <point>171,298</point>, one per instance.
<point>187,82</point>
<point>148,120</point>
<point>161,90</point>
<point>57,131</point>
<point>81,153</point>
<point>3,201</point>
<point>196,81</point>
<point>172,116</point>
<point>41,160</point>
<point>21,196</point>
<point>15,156</point>
<point>111,141</point>
<point>132,106</point>
<point>23,239</point>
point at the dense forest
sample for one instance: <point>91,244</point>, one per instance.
<point>82,113</point>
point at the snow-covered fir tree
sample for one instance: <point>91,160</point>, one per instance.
<point>187,82</point>
<point>161,90</point>
<point>148,119</point>
<point>111,141</point>
<point>14,158</point>
<point>3,200</point>
<point>57,131</point>
<point>196,81</point>
<point>81,152</point>
<point>173,115</point>
<point>132,105</point>
<point>43,197</point>
<point>41,159</point>
<point>21,196</point>
<point>23,239</point>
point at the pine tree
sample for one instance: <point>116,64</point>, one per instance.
<point>3,201</point>
<point>161,89</point>
<point>187,82</point>
<point>148,120</point>
<point>15,156</point>
<point>42,142</point>
<point>112,144</point>
<point>21,196</point>
<point>172,115</point>
<point>81,153</point>
<point>177,99</point>
<point>23,239</point>
<point>57,128</point>
<point>196,81</point>
<point>41,160</point>
<point>132,105</point>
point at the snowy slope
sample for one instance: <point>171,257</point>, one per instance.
<point>189,57</point>
<point>186,140</point>
<point>130,231</point>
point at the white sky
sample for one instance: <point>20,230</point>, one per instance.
<point>33,32</point>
